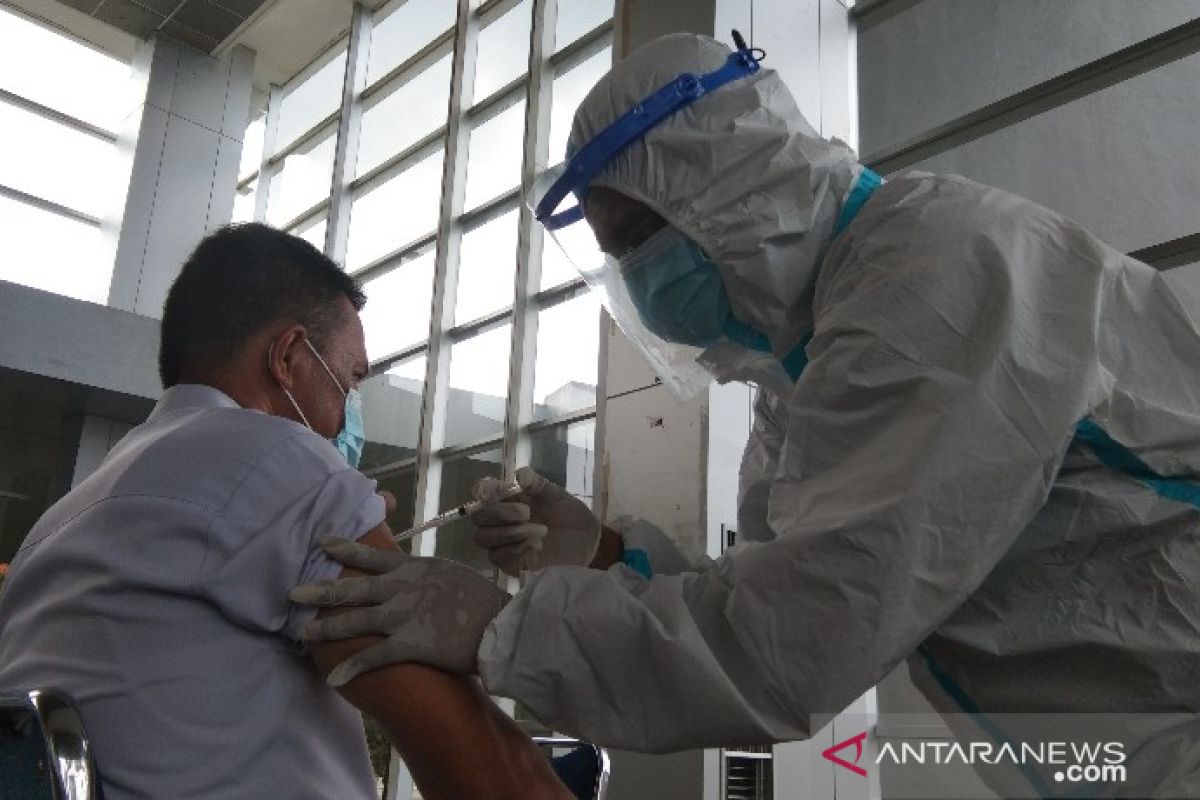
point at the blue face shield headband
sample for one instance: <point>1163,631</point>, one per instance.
<point>583,166</point>
<point>667,295</point>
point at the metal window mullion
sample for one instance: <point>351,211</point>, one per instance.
<point>879,10</point>
<point>308,214</point>
<point>489,211</point>
<point>42,204</point>
<point>54,115</point>
<point>498,101</point>
<point>523,352</point>
<point>562,293</point>
<point>382,364</point>
<point>345,152</point>
<point>412,67</point>
<point>607,328</point>
<point>1180,252</point>
<point>327,126</point>
<point>490,11</point>
<point>266,172</point>
<point>564,420</point>
<point>393,166</point>
<point>395,258</point>
<point>393,467</point>
<point>582,48</point>
<point>434,400</point>
<point>472,328</point>
<point>485,444</point>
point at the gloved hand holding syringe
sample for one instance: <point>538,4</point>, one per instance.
<point>502,492</point>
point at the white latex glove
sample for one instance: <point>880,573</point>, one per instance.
<point>430,609</point>
<point>543,525</point>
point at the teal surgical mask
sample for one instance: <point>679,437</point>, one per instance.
<point>679,295</point>
<point>351,438</point>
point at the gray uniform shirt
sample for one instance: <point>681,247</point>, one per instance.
<point>155,593</point>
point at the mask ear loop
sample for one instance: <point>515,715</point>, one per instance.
<point>332,377</point>
<point>295,405</point>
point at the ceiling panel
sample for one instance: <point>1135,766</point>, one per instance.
<point>204,24</point>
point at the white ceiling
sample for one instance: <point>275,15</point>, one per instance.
<point>287,35</point>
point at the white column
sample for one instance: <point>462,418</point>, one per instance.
<point>186,140</point>
<point>676,464</point>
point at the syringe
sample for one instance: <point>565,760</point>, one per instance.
<point>503,492</point>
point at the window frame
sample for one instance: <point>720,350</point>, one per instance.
<point>464,113</point>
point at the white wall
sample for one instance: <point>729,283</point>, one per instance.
<point>1120,159</point>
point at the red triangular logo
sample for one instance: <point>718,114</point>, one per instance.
<point>857,741</point>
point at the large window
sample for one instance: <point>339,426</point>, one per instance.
<point>483,340</point>
<point>61,105</point>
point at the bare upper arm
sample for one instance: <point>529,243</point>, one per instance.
<point>440,722</point>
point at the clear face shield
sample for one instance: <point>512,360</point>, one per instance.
<point>684,368</point>
<point>677,365</point>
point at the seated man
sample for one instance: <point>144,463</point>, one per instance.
<point>156,591</point>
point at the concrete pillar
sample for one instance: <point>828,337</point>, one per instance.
<point>185,142</point>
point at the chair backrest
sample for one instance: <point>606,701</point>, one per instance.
<point>44,751</point>
<point>594,772</point>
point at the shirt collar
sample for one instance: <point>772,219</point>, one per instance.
<point>192,395</point>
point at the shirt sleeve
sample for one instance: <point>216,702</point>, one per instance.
<point>264,543</point>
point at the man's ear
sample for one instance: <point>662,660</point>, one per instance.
<point>283,354</point>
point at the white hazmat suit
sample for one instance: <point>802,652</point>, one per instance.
<point>921,485</point>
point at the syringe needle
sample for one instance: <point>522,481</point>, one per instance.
<point>457,513</point>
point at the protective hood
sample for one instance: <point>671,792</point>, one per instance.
<point>740,172</point>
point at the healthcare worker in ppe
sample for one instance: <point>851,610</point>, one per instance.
<point>975,447</point>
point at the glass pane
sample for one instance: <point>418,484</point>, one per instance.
<point>243,202</point>
<point>311,101</point>
<point>395,213</point>
<point>402,484</point>
<point>304,181</point>
<point>568,340</point>
<point>392,413</point>
<point>494,156</point>
<point>404,32</point>
<point>57,163</point>
<point>313,232</point>
<point>63,74</point>
<point>53,253</point>
<point>556,267</point>
<point>252,146</point>
<point>565,454</point>
<point>503,51</point>
<point>478,386</point>
<point>397,311</point>
<point>577,17</point>
<point>456,540</point>
<point>487,266</point>
<point>405,116</point>
<point>569,91</point>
